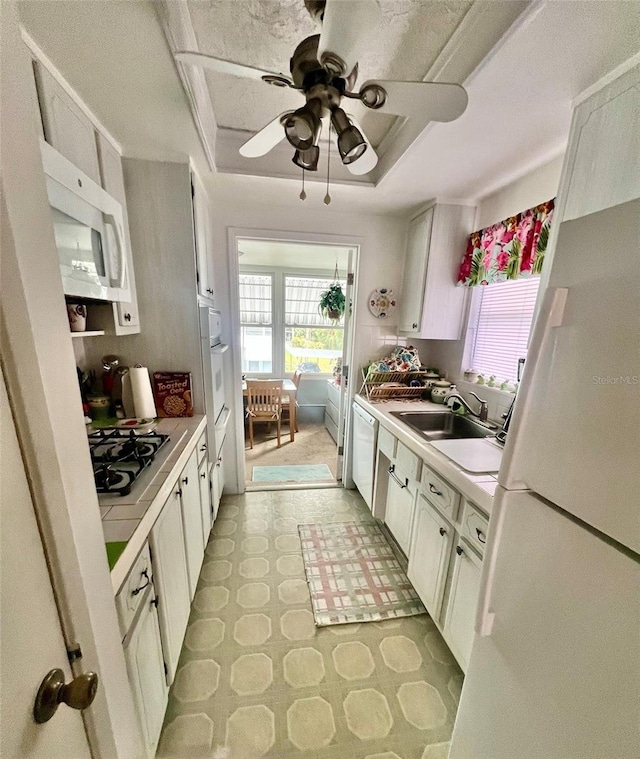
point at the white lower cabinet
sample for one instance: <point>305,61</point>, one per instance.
<point>169,561</point>
<point>206,506</point>
<point>189,489</point>
<point>429,555</point>
<point>400,504</point>
<point>145,667</point>
<point>459,621</point>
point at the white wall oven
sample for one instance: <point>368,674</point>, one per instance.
<point>89,232</point>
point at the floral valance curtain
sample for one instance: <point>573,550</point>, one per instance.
<point>511,249</point>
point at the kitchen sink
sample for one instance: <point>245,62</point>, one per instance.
<point>443,425</point>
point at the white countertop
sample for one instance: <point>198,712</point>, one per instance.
<point>131,517</point>
<point>478,488</point>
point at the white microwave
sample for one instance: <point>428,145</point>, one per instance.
<point>89,232</point>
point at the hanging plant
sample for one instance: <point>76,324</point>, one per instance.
<point>332,303</point>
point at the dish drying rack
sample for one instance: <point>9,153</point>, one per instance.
<point>373,385</point>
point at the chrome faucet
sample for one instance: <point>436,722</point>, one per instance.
<point>482,414</point>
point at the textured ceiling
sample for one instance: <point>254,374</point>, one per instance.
<point>264,34</point>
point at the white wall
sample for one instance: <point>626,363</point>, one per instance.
<point>382,255</point>
<point>535,187</point>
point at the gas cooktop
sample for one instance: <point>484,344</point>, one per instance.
<point>120,456</point>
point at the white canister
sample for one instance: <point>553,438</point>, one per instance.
<point>440,390</point>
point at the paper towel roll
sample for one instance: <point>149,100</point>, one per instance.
<point>143,403</point>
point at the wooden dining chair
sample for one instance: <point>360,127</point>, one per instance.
<point>264,404</point>
<point>286,402</point>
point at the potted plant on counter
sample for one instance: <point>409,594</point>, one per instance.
<point>332,303</point>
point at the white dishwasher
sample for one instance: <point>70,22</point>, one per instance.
<point>365,434</point>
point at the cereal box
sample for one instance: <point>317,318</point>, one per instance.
<point>172,392</point>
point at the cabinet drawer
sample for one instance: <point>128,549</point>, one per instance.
<point>386,443</point>
<point>332,411</point>
<point>130,595</point>
<point>440,493</point>
<point>474,527</point>
<point>408,462</point>
<point>201,447</point>
<point>333,393</point>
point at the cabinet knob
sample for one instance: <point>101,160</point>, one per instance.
<point>459,550</point>
<point>127,317</point>
<point>178,492</point>
<point>185,480</point>
<point>442,531</point>
<point>203,447</point>
<point>414,326</point>
<point>155,601</point>
<point>203,475</point>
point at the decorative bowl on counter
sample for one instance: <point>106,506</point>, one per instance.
<point>439,390</point>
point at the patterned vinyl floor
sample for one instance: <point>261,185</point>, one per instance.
<point>256,678</point>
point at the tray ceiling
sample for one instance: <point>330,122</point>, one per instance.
<point>409,38</point>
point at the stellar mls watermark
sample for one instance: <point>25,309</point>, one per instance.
<point>628,379</point>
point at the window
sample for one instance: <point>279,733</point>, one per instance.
<point>311,342</point>
<point>504,316</point>
<point>256,323</point>
<point>281,327</point>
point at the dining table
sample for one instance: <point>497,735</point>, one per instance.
<point>289,394</point>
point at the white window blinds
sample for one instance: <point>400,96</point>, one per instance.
<point>255,299</point>
<point>302,297</point>
<point>502,330</point>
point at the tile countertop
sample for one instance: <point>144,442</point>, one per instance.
<point>130,518</point>
<point>478,488</point>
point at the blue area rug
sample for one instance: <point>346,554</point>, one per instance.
<point>302,473</point>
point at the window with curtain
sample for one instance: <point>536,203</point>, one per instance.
<point>504,319</point>
<point>311,342</point>
<point>256,323</point>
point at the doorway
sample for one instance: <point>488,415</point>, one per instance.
<point>287,338</point>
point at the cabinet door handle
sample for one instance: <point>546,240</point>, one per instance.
<point>414,326</point>
<point>459,551</point>
<point>434,489</point>
<point>203,447</point>
<point>395,477</point>
<point>442,531</point>
<point>142,587</point>
<point>178,492</point>
<point>203,475</point>
<point>155,601</point>
<point>481,536</point>
<point>185,480</point>
<point>127,317</point>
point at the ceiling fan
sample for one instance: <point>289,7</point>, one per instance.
<point>324,67</point>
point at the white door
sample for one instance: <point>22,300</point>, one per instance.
<point>192,520</point>
<point>429,555</point>
<point>399,514</point>
<point>145,664</point>
<point>575,432</point>
<point>171,580</point>
<point>415,271</point>
<point>460,616</point>
<point>347,355</point>
<point>554,673</point>
<point>28,605</point>
<point>205,500</point>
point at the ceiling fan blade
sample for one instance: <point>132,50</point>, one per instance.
<point>368,160</point>
<point>440,102</point>
<point>264,140</point>
<point>228,67</point>
<point>346,27</point>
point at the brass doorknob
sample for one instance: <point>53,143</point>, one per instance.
<point>78,694</point>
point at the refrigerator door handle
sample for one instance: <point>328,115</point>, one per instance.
<point>485,615</point>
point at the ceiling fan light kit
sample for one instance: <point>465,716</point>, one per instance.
<point>324,67</point>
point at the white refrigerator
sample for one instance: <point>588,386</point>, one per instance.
<point>554,671</point>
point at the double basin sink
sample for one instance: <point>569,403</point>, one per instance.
<point>444,425</point>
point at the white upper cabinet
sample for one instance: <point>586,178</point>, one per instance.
<point>202,235</point>
<point>431,306</point>
<point>66,127</point>
<point>127,318</point>
<point>604,170</point>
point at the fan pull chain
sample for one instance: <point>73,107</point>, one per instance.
<point>303,194</point>
<point>327,197</point>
